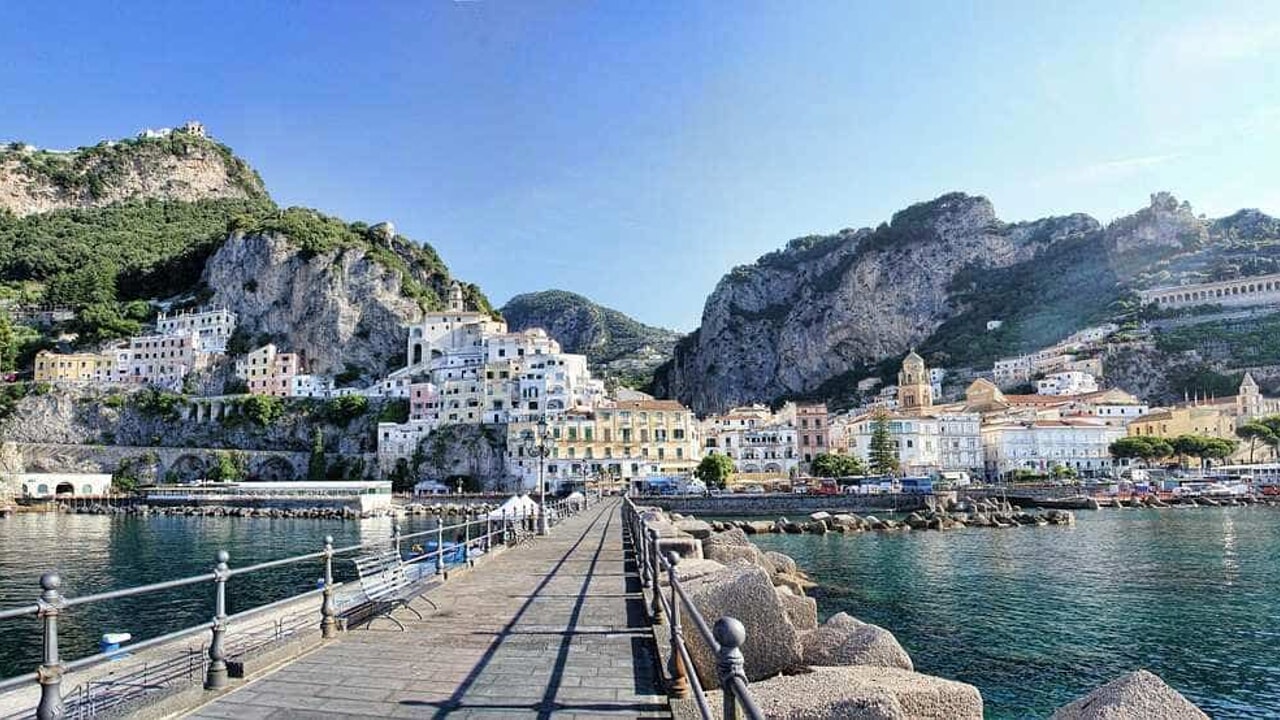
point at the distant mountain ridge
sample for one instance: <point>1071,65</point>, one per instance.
<point>617,346</point>
<point>813,318</point>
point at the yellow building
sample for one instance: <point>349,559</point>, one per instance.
<point>73,367</point>
<point>915,392</point>
<point>626,440</point>
<point>1211,420</point>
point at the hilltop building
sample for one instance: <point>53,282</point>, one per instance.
<point>54,367</point>
<point>267,371</point>
<point>212,328</point>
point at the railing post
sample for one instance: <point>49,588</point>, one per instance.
<point>216,678</point>
<point>466,543</point>
<point>395,534</point>
<point>729,662</point>
<point>328,612</point>
<point>49,674</point>
<point>440,546</point>
<point>679,680</point>
<point>655,572</point>
<point>641,542</point>
<point>488,533</point>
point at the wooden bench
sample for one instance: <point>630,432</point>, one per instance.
<point>385,587</point>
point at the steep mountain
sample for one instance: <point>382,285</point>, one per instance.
<point>339,293</point>
<point>815,317</point>
<point>617,346</point>
<point>181,164</point>
<point>114,232</point>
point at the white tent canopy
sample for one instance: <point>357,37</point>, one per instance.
<point>516,507</point>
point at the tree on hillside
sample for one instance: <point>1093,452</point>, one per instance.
<point>1148,449</point>
<point>833,465</point>
<point>315,464</point>
<point>8,343</point>
<point>714,470</point>
<point>1255,433</point>
<point>883,455</point>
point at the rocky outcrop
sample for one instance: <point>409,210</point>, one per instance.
<point>826,305</point>
<point>864,693</point>
<point>1136,696</point>
<point>337,308</point>
<point>183,166</point>
<point>617,346</point>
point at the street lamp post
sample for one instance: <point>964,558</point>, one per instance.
<point>539,446</point>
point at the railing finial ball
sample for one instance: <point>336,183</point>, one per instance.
<point>673,557</point>
<point>729,632</point>
<point>328,539</point>
<point>222,557</point>
<point>50,581</point>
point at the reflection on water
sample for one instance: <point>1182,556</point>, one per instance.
<point>1039,615</point>
<point>99,553</point>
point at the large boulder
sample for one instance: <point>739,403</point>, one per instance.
<point>687,570</point>
<point>735,537</point>
<point>758,527</point>
<point>845,640</point>
<point>801,611</point>
<point>862,693</point>
<point>728,554</point>
<point>782,563</point>
<point>700,529</point>
<point>686,547</point>
<point>1135,696</point>
<point>743,591</point>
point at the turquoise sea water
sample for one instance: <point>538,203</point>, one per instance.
<point>99,553</point>
<point>1036,616</point>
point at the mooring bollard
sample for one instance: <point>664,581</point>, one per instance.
<point>679,680</point>
<point>216,678</point>
<point>729,661</point>
<point>328,613</point>
<point>655,572</point>
<point>49,673</point>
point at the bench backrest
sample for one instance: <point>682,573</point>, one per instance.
<point>382,575</point>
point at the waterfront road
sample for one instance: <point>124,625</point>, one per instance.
<point>555,628</point>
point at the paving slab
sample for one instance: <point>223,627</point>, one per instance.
<point>554,628</point>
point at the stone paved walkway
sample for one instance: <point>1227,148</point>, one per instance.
<point>552,629</point>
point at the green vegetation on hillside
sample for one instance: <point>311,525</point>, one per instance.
<point>1252,341</point>
<point>96,169</point>
<point>1067,286</point>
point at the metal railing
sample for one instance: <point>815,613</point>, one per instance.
<point>725,638</point>
<point>457,544</point>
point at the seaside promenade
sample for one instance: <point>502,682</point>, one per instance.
<point>555,629</point>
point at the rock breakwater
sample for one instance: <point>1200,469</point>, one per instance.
<point>798,667</point>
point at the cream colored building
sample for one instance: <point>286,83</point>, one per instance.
<point>74,367</point>
<point>267,371</point>
<point>627,440</point>
<point>1038,446</point>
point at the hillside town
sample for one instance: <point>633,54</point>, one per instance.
<point>558,423</point>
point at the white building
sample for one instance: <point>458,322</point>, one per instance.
<point>161,360</point>
<point>212,328</point>
<point>926,444</point>
<point>1067,383</point>
<point>310,386</point>
<point>1081,444</point>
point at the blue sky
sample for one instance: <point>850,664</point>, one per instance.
<point>635,152</point>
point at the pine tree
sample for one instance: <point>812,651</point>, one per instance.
<point>883,455</point>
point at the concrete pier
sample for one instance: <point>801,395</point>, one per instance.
<point>557,628</point>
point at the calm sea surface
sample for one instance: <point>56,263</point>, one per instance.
<point>99,553</point>
<point>1035,617</point>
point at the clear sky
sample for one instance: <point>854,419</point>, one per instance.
<point>634,151</point>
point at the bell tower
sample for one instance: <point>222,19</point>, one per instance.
<point>915,392</point>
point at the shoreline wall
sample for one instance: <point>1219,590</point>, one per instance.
<point>775,505</point>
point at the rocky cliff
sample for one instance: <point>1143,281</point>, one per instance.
<point>811,319</point>
<point>617,346</point>
<point>183,165</point>
<point>338,294</point>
